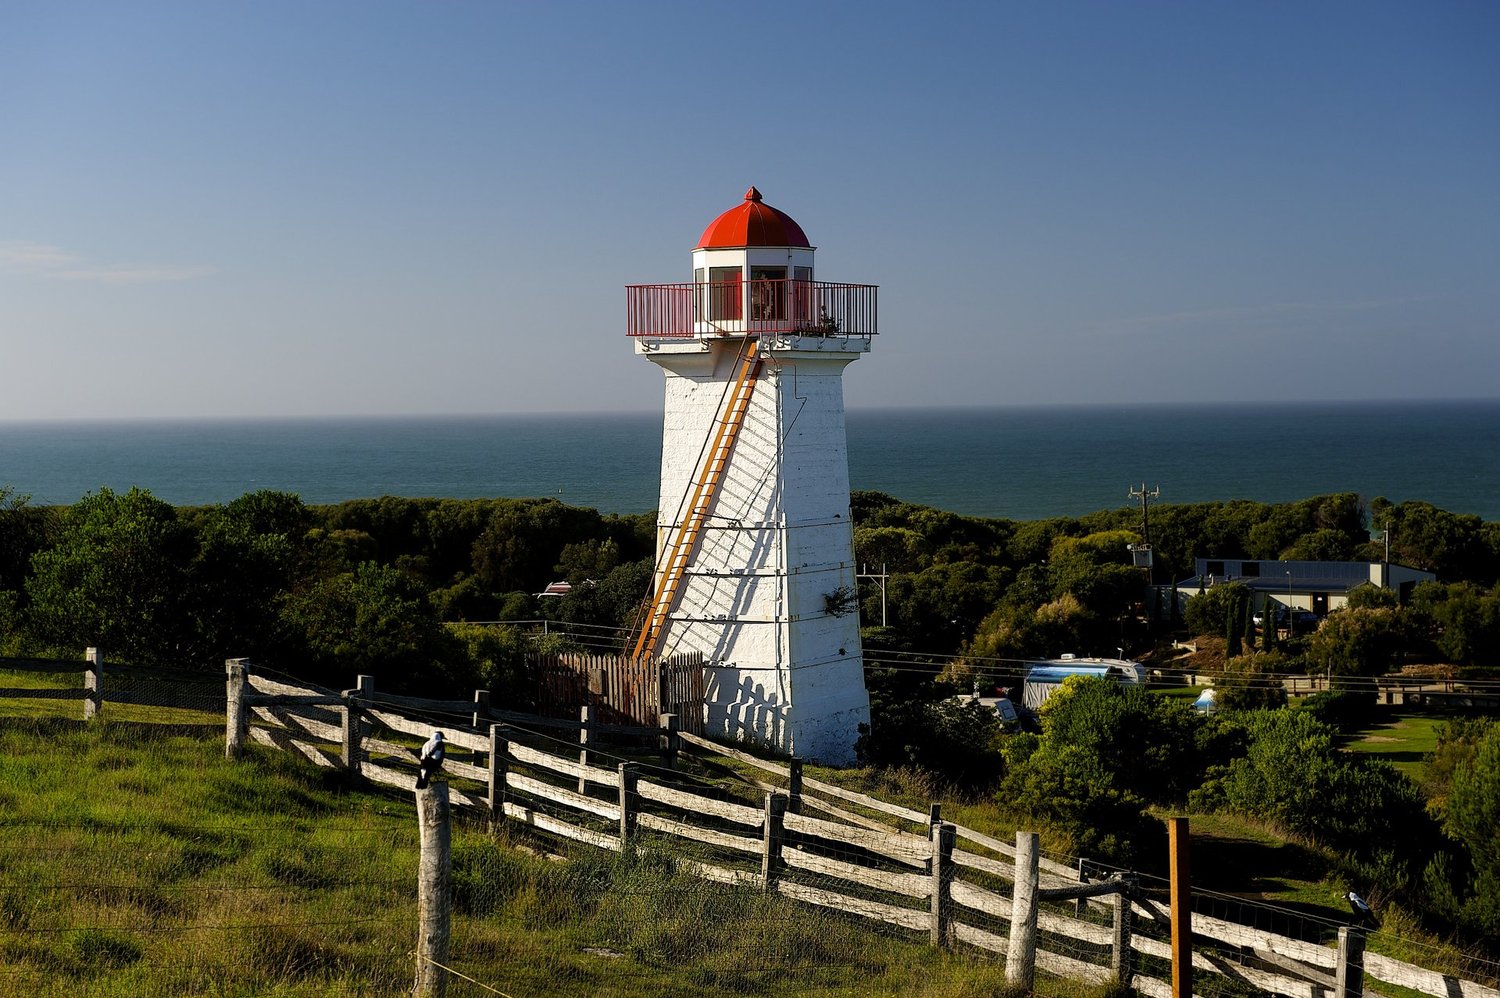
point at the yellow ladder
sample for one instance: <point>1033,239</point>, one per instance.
<point>705,486</point>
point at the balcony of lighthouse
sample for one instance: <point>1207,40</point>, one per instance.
<point>786,314</point>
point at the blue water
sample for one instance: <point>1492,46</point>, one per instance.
<point>1021,463</point>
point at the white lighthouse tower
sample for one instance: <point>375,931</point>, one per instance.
<point>755,560</point>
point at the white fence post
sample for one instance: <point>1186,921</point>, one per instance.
<point>481,718</point>
<point>236,717</point>
<point>434,908</point>
<point>1020,957</point>
<point>585,739</point>
<point>93,683</point>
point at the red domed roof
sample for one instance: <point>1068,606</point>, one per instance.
<point>752,223</point>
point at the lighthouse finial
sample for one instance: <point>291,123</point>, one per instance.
<point>752,195</point>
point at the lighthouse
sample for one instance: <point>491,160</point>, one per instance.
<point>755,549</point>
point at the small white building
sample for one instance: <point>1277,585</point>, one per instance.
<point>755,553</point>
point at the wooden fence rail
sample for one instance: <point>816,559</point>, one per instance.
<point>908,873</point>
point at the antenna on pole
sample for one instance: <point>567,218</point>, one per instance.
<point>1145,497</point>
<point>1142,551</point>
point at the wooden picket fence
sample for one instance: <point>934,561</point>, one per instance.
<point>802,838</point>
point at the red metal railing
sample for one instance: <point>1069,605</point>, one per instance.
<point>735,308</point>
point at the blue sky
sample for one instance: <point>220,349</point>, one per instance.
<point>284,209</point>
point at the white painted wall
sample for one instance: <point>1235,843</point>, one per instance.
<point>782,670</point>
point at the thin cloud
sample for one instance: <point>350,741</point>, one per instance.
<point>15,255</point>
<point>44,260</point>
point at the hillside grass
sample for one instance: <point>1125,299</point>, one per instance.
<point>135,860</point>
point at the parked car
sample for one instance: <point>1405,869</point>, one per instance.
<point>1302,620</point>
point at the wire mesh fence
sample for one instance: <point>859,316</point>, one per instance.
<point>91,687</point>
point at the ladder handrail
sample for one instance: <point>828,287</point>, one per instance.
<point>705,487</point>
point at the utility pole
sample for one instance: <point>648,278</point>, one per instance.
<point>1142,552</point>
<point>1145,497</point>
<point>879,577</point>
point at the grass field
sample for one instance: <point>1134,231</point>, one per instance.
<point>135,860</point>
<point>1400,739</point>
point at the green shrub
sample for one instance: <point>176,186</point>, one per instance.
<point>955,737</point>
<point>1294,775</point>
<point>1210,611</point>
<point>1341,709</point>
<point>1249,682</point>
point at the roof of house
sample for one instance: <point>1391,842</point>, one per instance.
<point>1271,575</point>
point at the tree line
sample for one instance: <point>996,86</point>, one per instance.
<point>369,585</point>
<point>379,586</point>
<point>1006,589</point>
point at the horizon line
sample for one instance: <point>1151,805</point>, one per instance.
<point>604,413</point>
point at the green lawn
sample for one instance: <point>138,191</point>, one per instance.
<point>1400,739</point>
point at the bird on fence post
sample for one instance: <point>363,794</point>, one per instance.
<point>1360,909</point>
<point>430,759</point>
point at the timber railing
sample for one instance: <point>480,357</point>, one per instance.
<point>798,837</point>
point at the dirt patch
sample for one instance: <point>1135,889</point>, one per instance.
<point>1379,738</point>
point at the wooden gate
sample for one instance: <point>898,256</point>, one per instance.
<point>682,690</point>
<point>622,689</point>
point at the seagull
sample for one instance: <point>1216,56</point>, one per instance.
<point>1358,906</point>
<point>430,759</point>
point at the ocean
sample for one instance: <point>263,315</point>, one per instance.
<point>1019,463</point>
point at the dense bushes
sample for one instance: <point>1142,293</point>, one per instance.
<point>1249,682</point>
<point>1471,898</point>
<point>1342,709</point>
<point>930,726</point>
<point>1105,753</point>
<point>1291,774</point>
<point>361,587</point>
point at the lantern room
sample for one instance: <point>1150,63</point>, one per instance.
<point>752,275</point>
<point>753,262</point>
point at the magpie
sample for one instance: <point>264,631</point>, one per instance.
<point>430,759</point>
<point>1360,909</point>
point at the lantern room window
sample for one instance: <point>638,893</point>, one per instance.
<point>767,293</point>
<point>724,293</point>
